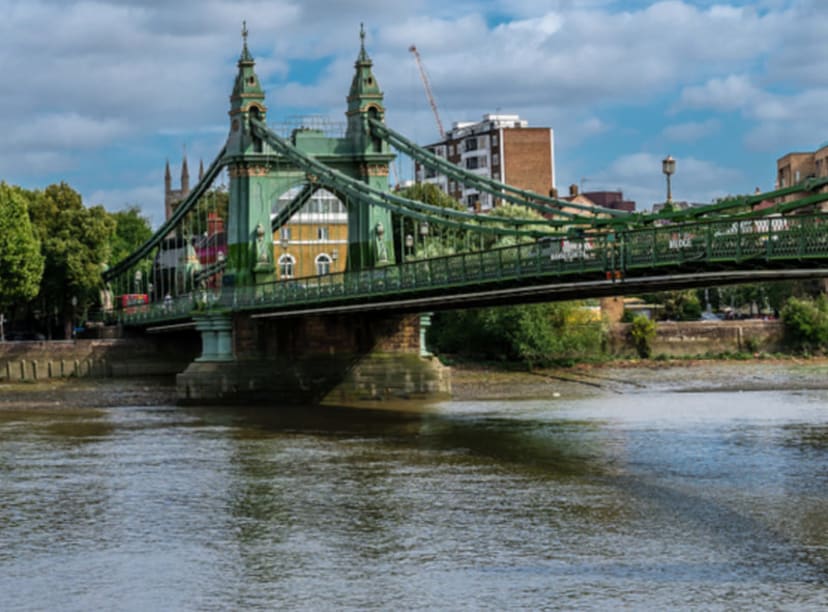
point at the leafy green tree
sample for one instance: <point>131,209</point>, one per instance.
<point>806,323</point>
<point>132,229</point>
<point>21,263</point>
<point>681,305</point>
<point>534,334</point>
<point>75,243</point>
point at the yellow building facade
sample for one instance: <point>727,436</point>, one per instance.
<point>315,240</point>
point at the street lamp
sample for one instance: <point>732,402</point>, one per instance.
<point>138,277</point>
<point>668,167</point>
<point>409,245</point>
<point>334,257</point>
<point>74,306</point>
<point>423,234</point>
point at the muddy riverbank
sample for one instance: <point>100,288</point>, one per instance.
<point>474,381</point>
<point>478,382</point>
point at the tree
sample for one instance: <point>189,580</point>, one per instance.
<point>75,242</point>
<point>21,263</point>
<point>642,333</point>
<point>132,230</point>
<point>534,334</point>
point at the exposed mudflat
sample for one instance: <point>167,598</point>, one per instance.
<point>486,382</point>
<point>478,382</point>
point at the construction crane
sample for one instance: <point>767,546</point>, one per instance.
<point>427,87</point>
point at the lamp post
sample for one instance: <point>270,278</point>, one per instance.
<point>409,245</point>
<point>334,258</point>
<point>668,167</point>
<point>74,305</point>
<point>138,277</point>
<point>284,264</point>
<point>423,234</point>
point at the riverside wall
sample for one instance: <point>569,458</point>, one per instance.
<point>162,355</point>
<point>690,338</point>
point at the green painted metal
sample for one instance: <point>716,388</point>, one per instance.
<point>183,209</point>
<point>793,242</point>
<point>461,253</point>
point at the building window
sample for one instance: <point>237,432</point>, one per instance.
<point>796,179</point>
<point>471,144</point>
<point>495,159</point>
<point>284,233</point>
<point>322,233</point>
<point>323,264</point>
<point>287,264</point>
<point>472,163</point>
<point>472,200</point>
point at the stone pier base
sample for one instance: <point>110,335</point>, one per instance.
<point>367,380</point>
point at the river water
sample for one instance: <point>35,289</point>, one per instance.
<point>651,499</point>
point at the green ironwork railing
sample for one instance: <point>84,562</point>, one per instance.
<point>698,246</point>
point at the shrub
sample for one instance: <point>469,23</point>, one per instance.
<point>806,323</point>
<point>642,333</point>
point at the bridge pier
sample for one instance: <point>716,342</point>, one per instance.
<point>349,360</point>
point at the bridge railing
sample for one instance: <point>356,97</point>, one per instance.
<point>699,246</point>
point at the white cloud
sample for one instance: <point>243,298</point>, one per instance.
<point>639,176</point>
<point>691,131</point>
<point>733,92</point>
<point>82,74</point>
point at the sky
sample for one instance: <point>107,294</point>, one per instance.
<point>101,94</point>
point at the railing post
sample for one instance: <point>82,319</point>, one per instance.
<point>738,240</point>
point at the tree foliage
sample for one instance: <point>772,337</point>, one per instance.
<point>75,242</point>
<point>534,334</point>
<point>132,229</point>
<point>806,323</point>
<point>642,334</point>
<point>21,264</point>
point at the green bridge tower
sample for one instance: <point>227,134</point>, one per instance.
<point>259,175</point>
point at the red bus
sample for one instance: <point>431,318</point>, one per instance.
<point>129,301</point>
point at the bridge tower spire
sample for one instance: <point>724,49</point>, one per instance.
<point>249,239</point>
<point>368,225</point>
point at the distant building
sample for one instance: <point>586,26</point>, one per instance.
<point>795,168</point>
<point>604,199</point>
<point>173,197</point>
<point>501,147</point>
<point>314,242</point>
<point>613,200</point>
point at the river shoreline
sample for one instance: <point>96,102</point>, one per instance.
<point>477,382</point>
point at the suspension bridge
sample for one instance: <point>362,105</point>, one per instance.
<point>311,230</point>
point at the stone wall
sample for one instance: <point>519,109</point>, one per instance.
<point>158,355</point>
<point>690,338</point>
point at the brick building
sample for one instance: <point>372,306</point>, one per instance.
<point>502,147</point>
<point>613,200</point>
<point>795,168</point>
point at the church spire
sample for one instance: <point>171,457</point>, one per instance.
<point>185,176</point>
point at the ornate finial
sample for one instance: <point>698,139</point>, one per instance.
<point>245,56</point>
<point>363,56</point>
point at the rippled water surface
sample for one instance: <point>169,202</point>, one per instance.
<point>645,500</point>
